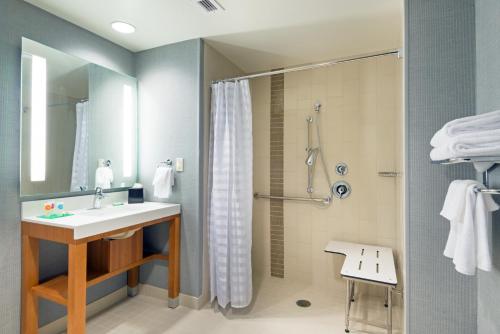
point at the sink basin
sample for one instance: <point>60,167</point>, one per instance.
<point>123,235</point>
<point>89,222</point>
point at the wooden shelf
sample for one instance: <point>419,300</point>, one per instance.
<point>56,289</point>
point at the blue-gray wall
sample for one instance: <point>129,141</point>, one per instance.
<point>18,19</point>
<point>170,126</point>
<point>488,99</point>
<point>440,86</point>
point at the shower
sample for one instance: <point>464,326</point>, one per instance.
<point>313,153</point>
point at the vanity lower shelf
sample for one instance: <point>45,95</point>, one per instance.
<point>56,289</point>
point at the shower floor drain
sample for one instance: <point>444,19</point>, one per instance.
<point>303,303</point>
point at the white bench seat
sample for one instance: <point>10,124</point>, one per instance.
<point>366,264</point>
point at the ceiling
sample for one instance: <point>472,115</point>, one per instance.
<point>255,34</point>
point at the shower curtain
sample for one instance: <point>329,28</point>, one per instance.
<point>230,194</point>
<point>80,173</point>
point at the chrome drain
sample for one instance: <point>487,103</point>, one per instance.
<point>303,303</point>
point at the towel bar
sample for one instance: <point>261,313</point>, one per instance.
<point>488,191</point>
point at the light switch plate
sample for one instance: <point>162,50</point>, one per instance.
<point>179,164</point>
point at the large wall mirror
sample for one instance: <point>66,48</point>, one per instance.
<point>78,125</point>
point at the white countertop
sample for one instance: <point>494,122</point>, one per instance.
<point>89,222</point>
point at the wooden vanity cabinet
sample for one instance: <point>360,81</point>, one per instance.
<point>91,260</point>
<point>107,255</point>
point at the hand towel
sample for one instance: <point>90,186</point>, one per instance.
<point>163,181</point>
<point>465,254</point>
<point>484,206</point>
<point>466,125</point>
<point>453,210</point>
<point>469,213</point>
<point>454,203</point>
<point>103,177</point>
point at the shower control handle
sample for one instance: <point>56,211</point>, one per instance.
<point>341,168</point>
<point>341,189</point>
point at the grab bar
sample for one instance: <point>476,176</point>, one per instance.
<point>325,201</point>
<point>389,174</point>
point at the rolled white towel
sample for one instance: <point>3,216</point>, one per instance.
<point>466,125</point>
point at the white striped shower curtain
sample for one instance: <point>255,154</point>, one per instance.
<point>230,194</point>
<point>80,170</point>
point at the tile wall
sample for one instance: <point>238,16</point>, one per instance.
<point>360,124</point>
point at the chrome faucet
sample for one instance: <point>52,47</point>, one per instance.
<point>98,196</point>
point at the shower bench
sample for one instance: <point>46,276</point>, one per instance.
<point>366,264</point>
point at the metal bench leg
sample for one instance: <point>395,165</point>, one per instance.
<point>389,310</point>
<point>386,298</point>
<point>348,305</point>
<point>352,290</point>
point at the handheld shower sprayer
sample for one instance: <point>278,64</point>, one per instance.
<point>313,153</point>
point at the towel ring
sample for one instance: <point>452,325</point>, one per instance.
<point>103,163</point>
<point>168,162</point>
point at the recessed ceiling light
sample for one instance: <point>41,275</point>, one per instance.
<point>123,27</point>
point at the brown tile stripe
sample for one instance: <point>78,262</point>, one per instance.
<point>276,175</point>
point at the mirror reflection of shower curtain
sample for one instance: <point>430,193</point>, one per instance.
<point>80,173</point>
<point>230,194</point>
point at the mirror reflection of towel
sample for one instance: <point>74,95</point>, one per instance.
<point>163,181</point>
<point>103,177</point>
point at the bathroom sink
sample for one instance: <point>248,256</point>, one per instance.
<point>89,222</point>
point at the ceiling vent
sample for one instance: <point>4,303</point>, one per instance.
<point>210,5</point>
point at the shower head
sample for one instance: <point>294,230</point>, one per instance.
<point>312,154</point>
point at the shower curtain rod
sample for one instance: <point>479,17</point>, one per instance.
<point>313,66</point>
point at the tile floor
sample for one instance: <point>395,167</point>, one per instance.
<point>273,311</point>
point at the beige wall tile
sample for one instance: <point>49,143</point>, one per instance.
<point>360,124</point>
<point>368,76</point>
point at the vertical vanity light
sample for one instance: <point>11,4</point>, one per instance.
<point>127,131</point>
<point>38,117</point>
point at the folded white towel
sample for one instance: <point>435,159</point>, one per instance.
<point>163,181</point>
<point>103,177</point>
<point>469,213</point>
<point>466,125</point>
<point>485,143</point>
